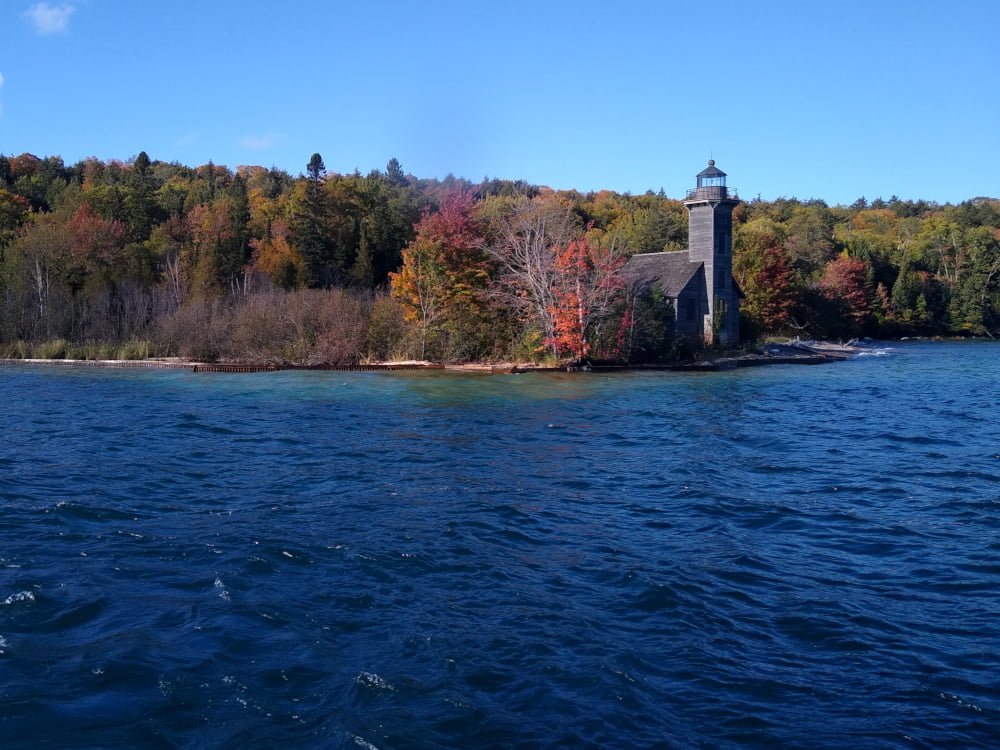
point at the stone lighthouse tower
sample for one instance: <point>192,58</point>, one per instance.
<point>710,241</point>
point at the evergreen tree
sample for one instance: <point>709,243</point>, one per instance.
<point>141,210</point>
<point>210,177</point>
<point>234,250</point>
<point>310,224</point>
<point>394,173</point>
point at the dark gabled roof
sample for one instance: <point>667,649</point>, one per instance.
<point>711,170</point>
<point>671,271</point>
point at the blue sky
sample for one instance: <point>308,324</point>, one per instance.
<point>829,100</point>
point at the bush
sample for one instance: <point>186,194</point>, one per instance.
<point>529,346</point>
<point>330,327</point>
<point>387,331</point>
<point>260,329</point>
<point>199,330</point>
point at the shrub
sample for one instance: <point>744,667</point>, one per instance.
<point>260,329</point>
<point>343,336</point>
<point>386,330</point>
<point>198,330</point>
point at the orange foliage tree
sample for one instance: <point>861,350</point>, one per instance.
<point>588,286</point>
<point>275,256</point>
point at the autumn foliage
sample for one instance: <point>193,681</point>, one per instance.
<point>219,260</point>
<point>588,286</point>
<point>845,281</point>
<point>443,279</point>
<point>772,294</point>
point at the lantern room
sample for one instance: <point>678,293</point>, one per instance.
<point>711,184</point>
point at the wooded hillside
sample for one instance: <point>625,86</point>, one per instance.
<point>146,257</point>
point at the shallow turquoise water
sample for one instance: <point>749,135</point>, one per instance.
<point>789,556</point>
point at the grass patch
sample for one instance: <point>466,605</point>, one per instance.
<point>88,350</point>
<point>55,349</point>
<point>134,350</point>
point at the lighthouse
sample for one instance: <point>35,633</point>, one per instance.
<point>698,282</point>
<point>710,242</point>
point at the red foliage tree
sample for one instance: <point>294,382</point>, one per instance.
<point>774,294</point>
<point>96,246</point>
<point>845,280</point>
<point>442,281</point>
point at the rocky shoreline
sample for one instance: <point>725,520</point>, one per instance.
<point>791,353</point>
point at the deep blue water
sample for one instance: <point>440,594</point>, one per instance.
<point>784,557</point>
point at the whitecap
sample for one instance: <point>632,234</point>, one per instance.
<point>362,742</point>
<point>958,701</point>
<point>372,680</point>
<point>222,588</point>
<point>20,596</point>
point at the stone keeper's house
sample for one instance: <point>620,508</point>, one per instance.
<point>699,282</point>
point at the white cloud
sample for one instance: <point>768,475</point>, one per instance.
<point>1,91</point>
<point>49,19</point>
<point>259,141</point>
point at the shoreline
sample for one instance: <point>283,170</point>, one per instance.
<point>792,353</point>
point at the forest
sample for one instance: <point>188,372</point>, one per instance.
<point>125,260</point>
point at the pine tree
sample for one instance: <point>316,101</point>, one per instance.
<point>394,173</point>
<point>234,250</point>
<point>310,224</point>
<point>141,210</point>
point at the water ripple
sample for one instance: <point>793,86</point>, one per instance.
<point>786,557</point>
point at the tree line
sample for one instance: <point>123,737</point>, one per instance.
<point>140,258</point>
